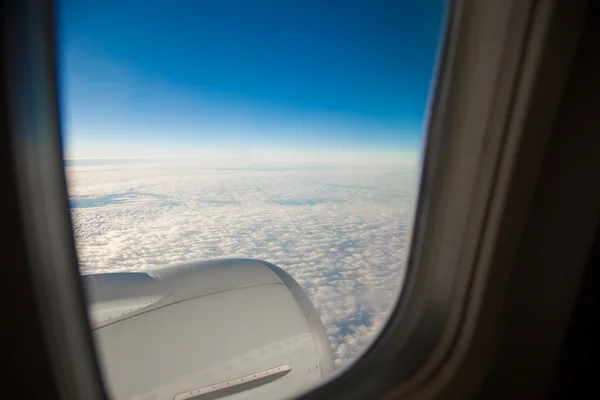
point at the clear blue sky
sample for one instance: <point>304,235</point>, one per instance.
<point>144,77</point>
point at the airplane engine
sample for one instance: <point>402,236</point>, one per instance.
<point>206,329</point>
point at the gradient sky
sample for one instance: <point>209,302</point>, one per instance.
<point>162,78</point>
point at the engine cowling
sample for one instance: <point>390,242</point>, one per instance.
<point>206,329</point>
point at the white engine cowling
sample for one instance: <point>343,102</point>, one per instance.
<point>206,329</point>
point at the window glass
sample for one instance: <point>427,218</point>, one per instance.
<point>284,131</point>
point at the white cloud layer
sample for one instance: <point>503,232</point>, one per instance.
<point>341,233</point>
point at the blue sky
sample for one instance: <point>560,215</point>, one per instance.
<point>167,78</point>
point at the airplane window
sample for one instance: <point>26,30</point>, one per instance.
<point>242,179</point>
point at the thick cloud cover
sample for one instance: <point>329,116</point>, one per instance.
<point>341,233</point>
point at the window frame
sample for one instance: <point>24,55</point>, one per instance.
<point>33,135</point>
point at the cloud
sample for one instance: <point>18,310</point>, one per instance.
<point>341,233</point>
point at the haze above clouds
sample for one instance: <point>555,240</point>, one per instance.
<point>342,233</point>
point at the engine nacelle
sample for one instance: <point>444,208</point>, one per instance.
<point>206,329</point>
